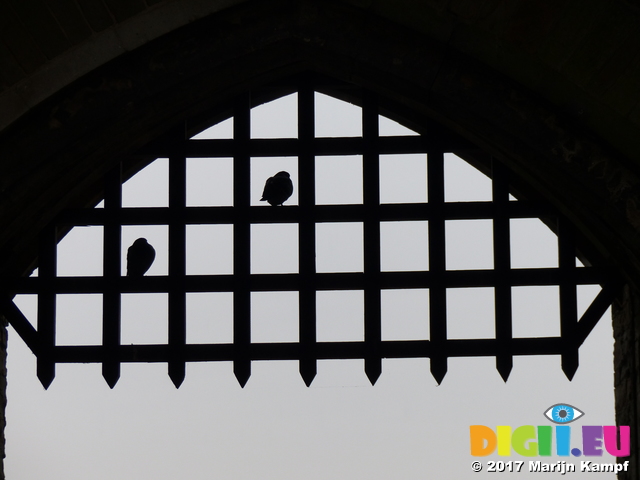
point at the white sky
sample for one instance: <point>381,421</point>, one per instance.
<point>404,427</point>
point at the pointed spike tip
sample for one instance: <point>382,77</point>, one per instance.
<point>242,373</point>
<point>438,370</point>
<point>46,383</point>
<point>112,382</point>
<point>308,371</point>
<point>504,368</point>
<point>46,374</point>
<point>308,379</point>
<point>373,374</point>
<point>570,366</point>
<point>177,373</point>
<point>177,382</point>
<point>111,374</point>
<point>504,374</point>
<point>570,372</point>
<point>242,381</point>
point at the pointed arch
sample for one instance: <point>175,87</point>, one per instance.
<point>306,147</point>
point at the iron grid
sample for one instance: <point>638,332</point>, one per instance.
<point>307,282</point>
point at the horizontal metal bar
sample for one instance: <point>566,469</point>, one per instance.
<point>324,281</point>
<point>281,147</point>
<point>292,213</point>
<point>295,351</point>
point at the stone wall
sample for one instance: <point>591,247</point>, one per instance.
<point>3,391</point>
<point>626,364</point>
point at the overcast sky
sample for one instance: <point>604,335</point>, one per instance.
<point>404,427</point>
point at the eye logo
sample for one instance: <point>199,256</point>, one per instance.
<point>563,413</point>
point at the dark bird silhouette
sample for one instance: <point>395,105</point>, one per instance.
<point>277,188</point>
<point>140,256</point>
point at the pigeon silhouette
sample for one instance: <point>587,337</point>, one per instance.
<point>277,189</point>
<point>140,256</point>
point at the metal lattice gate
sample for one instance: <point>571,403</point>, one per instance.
<point>307,215</point>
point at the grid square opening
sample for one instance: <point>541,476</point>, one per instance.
<point>145,318</point>
<point>82,262</point>
<point>405,314</point>
<point>338,180</point>
<point>533,244</point>
<point>403,178</point>
<point>209,317</point>
<point>339,247</point>
<point>462,254</point>
<point>78,319</point>
<point>536,311</point>
<point>149,187</point>
<point>274,317</point>
<point>335,118</point>
<point>209,182</point>
<point>209,249</point>
<point>404,246</point>
<point>276,119</point>
<point>470,313</point>
<point>340,315</point>
<point>157,236</point>
<point>464,183</point>
<point>262,168</point>
<point>274,248</point>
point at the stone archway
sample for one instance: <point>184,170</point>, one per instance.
<point>73,137</point>
<point>54,155</point>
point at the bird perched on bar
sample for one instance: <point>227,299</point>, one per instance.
<point>140,256</point>
<point>277,189</point>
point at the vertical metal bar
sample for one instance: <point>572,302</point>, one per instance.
<point>437,266</point>
<point>111,298</point>
<point>307,233</point>
<point>47,305</point>
<point>371,198</point>
<point>502,268</point>
<point>177,260</point>
<point>242,240</point>
<point>568,298</point>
